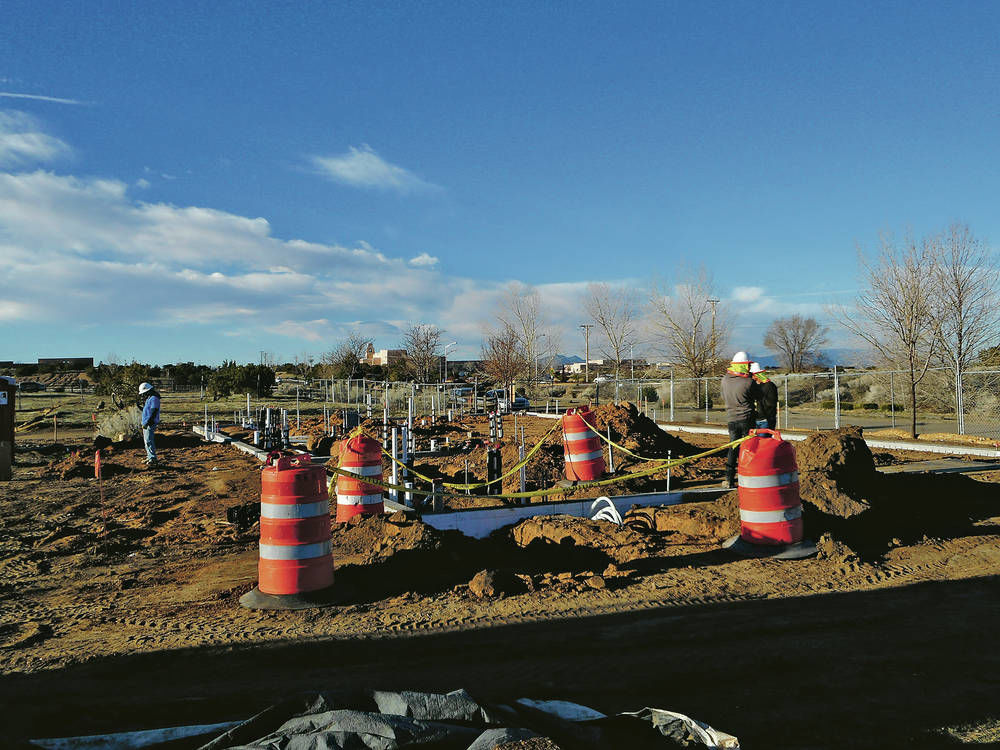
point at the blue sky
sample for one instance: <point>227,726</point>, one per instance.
<point>185,180</point>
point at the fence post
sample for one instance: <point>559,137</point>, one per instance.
<point>671,394</point>
<point>706,400</point>
<point>836,399</point>
<point>959,398</point>
<point>786,401</point>
<point>892,397</point>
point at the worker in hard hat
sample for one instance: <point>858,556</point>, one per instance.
<point>738,392</point>
<point>765,396</point>
<point>150,401</point>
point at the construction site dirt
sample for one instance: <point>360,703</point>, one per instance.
<point>119,605</point>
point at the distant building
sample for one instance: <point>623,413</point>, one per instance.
<point>574,368</point>
<point>383,356</point>
<point>68,363</point>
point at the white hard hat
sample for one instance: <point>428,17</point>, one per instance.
<point>741,357</point>
<point>755,367</point>
<point>145,387</point>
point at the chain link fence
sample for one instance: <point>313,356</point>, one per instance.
<point>874,399</point>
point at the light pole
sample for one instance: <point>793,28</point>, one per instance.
<point>631,359</point>
<point>586,335</point>
<point>445,362</point>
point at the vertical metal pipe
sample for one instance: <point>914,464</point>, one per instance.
<point>394,494</point>
<point>706,400</point>
<point>786,402</point>
<point>892,397</point>
<point>671,394</point>
<point>836,398</point>
<point>611,455</point>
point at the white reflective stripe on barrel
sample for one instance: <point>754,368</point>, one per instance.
<point>295,551</point>
<point>358,499</point>
<point>294,510</point>
<point>772,480</point>
<point>587,435</point>
<point>578,457</point>
<point>364,471</point>
<point>771,516</point>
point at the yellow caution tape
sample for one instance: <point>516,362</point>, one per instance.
<point>613,444</point>
<point>458,486</point>
<point>536,493</point>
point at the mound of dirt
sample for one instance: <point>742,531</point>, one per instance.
<point>846,498</point>
<point>637,432</point>
<point>691,523</point>
<point>490,584</point>
<point>562,535</point>
<point>837,472</point>
<point>376,538</point>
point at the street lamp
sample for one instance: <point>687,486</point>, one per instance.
<point>445,363</point>
<point>586,335</point>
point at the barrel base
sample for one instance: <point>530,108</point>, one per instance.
<point>257,599</point>
<point>796,551</point>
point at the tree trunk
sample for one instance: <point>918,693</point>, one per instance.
<point>913,407</point>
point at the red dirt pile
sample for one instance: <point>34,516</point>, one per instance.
<point>638,433</point>
<point>843,495</point>
<point>691,523</point>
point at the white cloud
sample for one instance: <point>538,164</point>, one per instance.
<point>142,183</point>
<point>746,294</point>
<point>22,142</point>
<point>362,167</point>
<point>424,260</point>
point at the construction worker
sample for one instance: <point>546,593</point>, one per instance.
<point>150,401</point>
<point>738,392</point>
<point>765,396</point>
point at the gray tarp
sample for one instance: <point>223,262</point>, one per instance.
<point>456,721</point>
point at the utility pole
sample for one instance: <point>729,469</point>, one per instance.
<point>711,342</point>
<point>586,335</point>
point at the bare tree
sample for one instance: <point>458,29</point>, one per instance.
<point>504,359</point>
<point>797,341</point>
<point>691,323</point>
<point>421,342</point>
<point>344,359</point>
<point>967,281</point>
<point>614,310</point>
<point>896,313</point>
<point>521,311</point>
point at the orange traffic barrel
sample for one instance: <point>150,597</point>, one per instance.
<point>295,566</point>
<point>770,506</point>
<point>362,457</point>
<point>581,446</point>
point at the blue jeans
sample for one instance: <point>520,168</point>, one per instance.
<point>147,438</point>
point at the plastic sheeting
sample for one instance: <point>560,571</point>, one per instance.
<point>457,721</point>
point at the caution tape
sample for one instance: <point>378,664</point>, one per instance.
<point>472,485</point>
<point>613,444</point>
<point>662,466</point>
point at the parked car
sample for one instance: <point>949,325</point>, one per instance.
<point>520,403</point>
<point>602,379</point>
<point>30,386</point>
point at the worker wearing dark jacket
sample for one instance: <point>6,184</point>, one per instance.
<point>765,396</point>
<point>738,392</point>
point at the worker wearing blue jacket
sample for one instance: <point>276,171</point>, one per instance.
<point>150,418</point>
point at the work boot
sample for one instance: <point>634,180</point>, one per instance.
<point>730,483</point>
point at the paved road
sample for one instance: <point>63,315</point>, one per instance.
<point>824,420</point>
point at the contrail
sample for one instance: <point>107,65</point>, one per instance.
<point>39,97</point>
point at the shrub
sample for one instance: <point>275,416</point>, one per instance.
<point>826,404</point>
<point>125,423</point>
<point>869,406</point>
<point>846,406</point>
<point>891,407</point>
<point>649,393</point>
